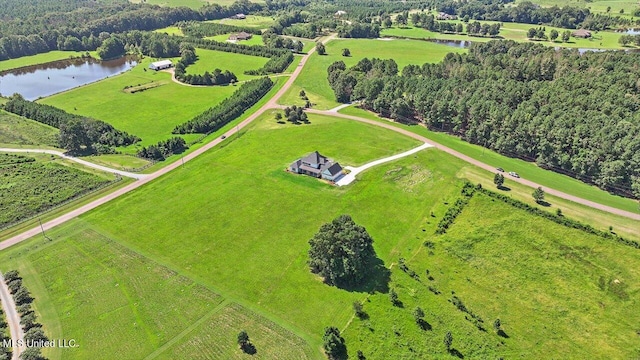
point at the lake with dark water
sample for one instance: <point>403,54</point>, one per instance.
<point>33,82</point>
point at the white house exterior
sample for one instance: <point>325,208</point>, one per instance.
<point>317,166</point>
<point>159,65</point>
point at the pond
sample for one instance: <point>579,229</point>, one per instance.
<point>33,82</point>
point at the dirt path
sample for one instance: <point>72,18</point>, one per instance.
<point>272,103</point>
<point>78,160</point>
<point>482,165</point>
<point>13,319</point>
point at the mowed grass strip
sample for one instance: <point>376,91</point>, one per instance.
<point>313,79</point>
<point>38,59</point>
<point>217,339</point>
<point>209,60</point>
<point>113,302</point>
<point>261,22</point>
<point>151,114</point>
<point>542,280</point>
<point>255,40</point>
<point>525,169</point>
<point>16,130</point>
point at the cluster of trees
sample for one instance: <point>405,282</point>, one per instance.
<point>279,59</point>
<point>333,344</point>
<point>163,149</point>
<point>295,114</point>
<point>523,100</point>
<point>5,351</point>
<point>202,29</point>
<point>343,82</point>
<point>245,343</point>
<point>539,33</point>
<point>309,31</point>
<point>32,328</point>
<point>359,30</point>
<point>342,253</point>
<point>111,48</point>
<point>625,40</point>
<point>214,118</point>
<point>77,133</point>
<point>272,40</point>
<point>475,28</point>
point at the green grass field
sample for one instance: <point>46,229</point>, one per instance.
<point>539,278</point>
<point>250,250</point>
<point>38,59</point>
<point>118,161</point>
<point>16,130</point>
<point>525,169</point>
<point>595,6</point>
<point>261,22</point>
<point>170,30</point>
<point>209,60</point>
<point>150,114</point>
<point>255,39</point>
<point>517,32</point>
<point>313,78</point>
<point>194,4</point>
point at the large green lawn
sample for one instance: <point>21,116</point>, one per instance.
<point>542,280</point>
<point>16,130</point>
<point>209,60</point>
<point>514,31</point>
<point>180,265</point>
<point>194,4</point>
<point>595,6</point>
<point>313,78</point>
<point>38,59</point>
<point>255,39</point>
<point>151,114</point>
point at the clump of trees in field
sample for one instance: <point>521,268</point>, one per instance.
<point>203,29</point>
<point>163,149</point>
<point>245,343</point>
<point>520,99</point>
<point>214,118</point>
<point>333,344</point>
<point>77,133</point>
<point>296,114</point>
<point>33,332</point>
<point>342,253</point>
<point>218,77</point>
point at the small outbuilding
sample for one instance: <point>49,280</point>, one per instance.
<point>239,16</point>
<point>445,16</point>
<point>159,65</point>
<point>581,33</point>
<point>340,13</point>
<point>240,36</point>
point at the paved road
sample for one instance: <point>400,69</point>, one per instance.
<point>272,103</point>
<point>13,319</point>
<point>482,165</point>
<point>350,177</point>
<point>78,160</point>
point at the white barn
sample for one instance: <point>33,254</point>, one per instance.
<point>159,65</point>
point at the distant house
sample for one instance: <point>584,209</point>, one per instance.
<point>240,36</point>
<point>239,16</point>
<point>318,166</point>
<point>340,13</point>
<point>582,33</point>
<point>445,16</point>
<point>159,65</point>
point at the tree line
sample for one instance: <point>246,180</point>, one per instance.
<point>77,133</point>
<point>519,99</point>
<point>218,77</point>
<point>202,29</point>
<point>163,149</point>
<point>214,118</point>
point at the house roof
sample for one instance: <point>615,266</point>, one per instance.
<point>314,158</point>
<point>334,169</point>
<point>161,63</point>
<point>310,169</point>
<point>581,32</point>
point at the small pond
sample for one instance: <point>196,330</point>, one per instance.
<point>33,82</point>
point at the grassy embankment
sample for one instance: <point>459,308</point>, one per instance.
<point>16,131</point>
<point>38,59</point>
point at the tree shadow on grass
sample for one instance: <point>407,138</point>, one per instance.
<point>504,188</point>
<point>376,281</point>
<point>424,325</point>
<point>249,348</point>
<point>544,203</point>
<point>456,353</point>
<point>503,334</point>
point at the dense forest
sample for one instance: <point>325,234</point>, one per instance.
<point>77,133</point>
<point>575,114</point>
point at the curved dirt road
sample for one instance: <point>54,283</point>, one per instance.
<point>482,165</point>
<point>78,160</point>
<point>13,319</point>
<point>272,103</point>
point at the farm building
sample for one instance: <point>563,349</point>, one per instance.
<point>445,16</point>
<point>318,166</point>
<point>340,13</point>
<point>239,16</point>
<point>582,33</point>
<point>159,65</point>
<point>240,36</point>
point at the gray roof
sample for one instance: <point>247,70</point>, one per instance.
<point>314,158</point>
<point>310,169</point>
<point>334,169</point>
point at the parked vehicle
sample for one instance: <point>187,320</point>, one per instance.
<point>223,137</point>
<point>500,169</point>
<point>514,174</point>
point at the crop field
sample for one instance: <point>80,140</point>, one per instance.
<point>16,130</point>
<point>517,32</point>
<point>151,114</point>
<point>29,187</point>
<point>209,60</point>
<point>38,59</point>
<point>313,79</point>
<point>216,338</point>
<point>261,22</point>
<point>556,291</point>
<point>525,169</point>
